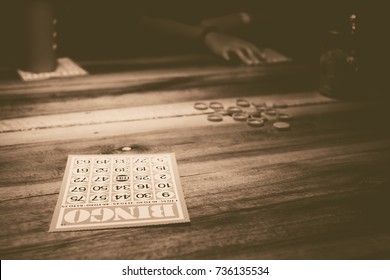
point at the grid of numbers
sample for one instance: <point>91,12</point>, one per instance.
<point>112,188</point>
<point>120,179</point>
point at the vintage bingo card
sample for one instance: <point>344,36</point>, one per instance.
<point>109,191</point>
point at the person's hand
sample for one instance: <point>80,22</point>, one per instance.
<point>225,46</point>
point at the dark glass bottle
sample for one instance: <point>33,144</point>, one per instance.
<point>39,36</point>
<point>340,73</point>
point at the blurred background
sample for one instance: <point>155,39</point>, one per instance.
<point>108,29</point>
<point>94,30</point>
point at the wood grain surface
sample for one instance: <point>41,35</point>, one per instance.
<point>318,191</point>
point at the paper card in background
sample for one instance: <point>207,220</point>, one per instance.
<point>66,68</point>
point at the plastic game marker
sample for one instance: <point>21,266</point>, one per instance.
<point>242,103</point>
<point>256,114</point>
<point>234,109</point>
<point>215,118</point>
<point>240,116</point>
<point>271,112</point>
<point>121,190</point>
<point>216,105</point>
<point>258,104</point>
<point>255,122</point>
<point>200,106</point>
<point>281,126</point>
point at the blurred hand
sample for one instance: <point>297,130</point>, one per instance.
<point>225,46</point>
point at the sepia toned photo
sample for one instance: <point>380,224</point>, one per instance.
<point>194,130</point>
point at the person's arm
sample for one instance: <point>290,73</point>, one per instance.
<point>222,45</point>
<point>228,23</point>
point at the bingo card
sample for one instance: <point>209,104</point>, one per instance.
<point>110,191</point>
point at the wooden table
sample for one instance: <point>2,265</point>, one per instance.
<point>318,191</point>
